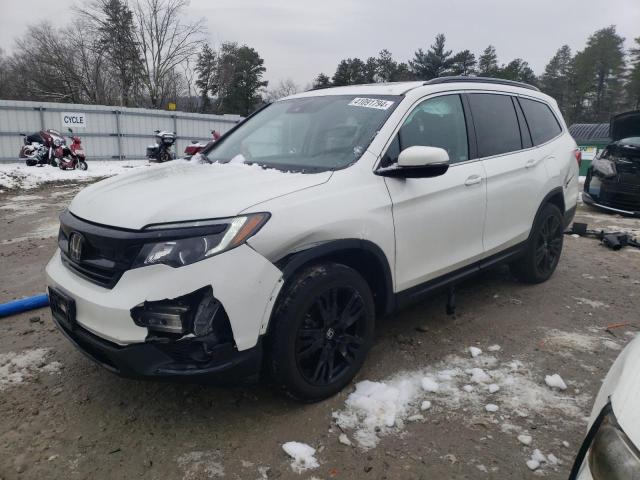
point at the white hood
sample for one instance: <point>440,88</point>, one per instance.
<point>181,191</point>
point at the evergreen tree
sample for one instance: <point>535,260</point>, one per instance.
<point>321,81</point>
<point>488,62</point>
<point>633,84</point>
<point>463,63</point>
<point>519,71</point>
<point>350,72</point>
<point>244,93</point>
<point>434,63</point>
<point>556,79</point>
<point>206,71</point>
<point>370,70</point>
<point>597,77</point>
<point>116,39</point>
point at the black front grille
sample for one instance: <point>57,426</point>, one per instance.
<point>106,252</point>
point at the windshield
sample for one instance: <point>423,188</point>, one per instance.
<point>306,134</point>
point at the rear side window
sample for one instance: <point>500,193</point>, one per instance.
<point>494,117</point>
<point>543,124</point>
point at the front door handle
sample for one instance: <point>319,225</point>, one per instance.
<point>473,180</point>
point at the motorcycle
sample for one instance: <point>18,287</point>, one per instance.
<point>73,156</point>
<point>40,148</point>
<point>162,151</point>
<point>197,147</point>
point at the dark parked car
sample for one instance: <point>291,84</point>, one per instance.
<point>613,179</point>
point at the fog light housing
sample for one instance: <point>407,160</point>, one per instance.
<point>164,318</point>
<point>195,313</point>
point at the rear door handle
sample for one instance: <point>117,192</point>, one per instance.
<point>473,180</point>
<point>531,163</point>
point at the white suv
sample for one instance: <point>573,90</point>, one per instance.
<point>281,243</point>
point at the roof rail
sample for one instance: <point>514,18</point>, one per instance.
<point>460,79</point>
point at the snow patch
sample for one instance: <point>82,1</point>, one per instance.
<point>15,368</point>
<point>429,385</point>
<point>302,456</point>
<point>475,351</point>
<point>19,176</point>
<point>591,303</point>
<point>197,465</point>
<point>377,409</point>
<point>525,439</point>
<point>555,381</point>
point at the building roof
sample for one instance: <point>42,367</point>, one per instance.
<point>593,132</point>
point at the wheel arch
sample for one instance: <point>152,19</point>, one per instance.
<point>364,256</point>
<point>555,197</point>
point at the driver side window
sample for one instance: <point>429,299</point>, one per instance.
<point>437,122</point>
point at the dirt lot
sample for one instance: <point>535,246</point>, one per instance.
<point>61,416</point>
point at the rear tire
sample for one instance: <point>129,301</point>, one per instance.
<point>322,330</point>
<point>31,163</point>
<point>543,249</point>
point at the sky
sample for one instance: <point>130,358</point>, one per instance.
<point>299,39</point>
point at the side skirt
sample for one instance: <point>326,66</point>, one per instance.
<point>419,292</point>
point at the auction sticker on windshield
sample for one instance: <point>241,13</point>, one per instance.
<point>371,103</point>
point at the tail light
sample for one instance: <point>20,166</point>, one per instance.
<point>578,154</point>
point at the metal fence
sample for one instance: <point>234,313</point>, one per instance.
<point>107,133</point>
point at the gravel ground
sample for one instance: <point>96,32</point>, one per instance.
<point>61,416</point>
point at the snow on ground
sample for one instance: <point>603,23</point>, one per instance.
<point>555,381</point>
<point>377,409</point>
<point>19,176</point>
<point>578,341</point>
<point>15,368</point>
<point>302,456</point>
<point>197,465</point>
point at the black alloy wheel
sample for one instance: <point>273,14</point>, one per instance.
<point>331,335</point>
<point>320,332</point>
<point>549,244</point>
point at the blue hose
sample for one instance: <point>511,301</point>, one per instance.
<point>24,304</point>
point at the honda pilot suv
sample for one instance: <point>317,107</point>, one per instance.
<point>275,249</point>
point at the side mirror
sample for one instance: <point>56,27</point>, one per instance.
<point>418,162</point>
<point>70,131</point>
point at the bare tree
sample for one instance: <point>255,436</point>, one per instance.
<point>166,43</point>
<point>284,88</point>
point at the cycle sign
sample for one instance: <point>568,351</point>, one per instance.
<point>73,120</point>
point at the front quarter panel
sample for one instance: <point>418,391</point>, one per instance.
<point>353,204</point>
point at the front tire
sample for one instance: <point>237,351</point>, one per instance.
<point>322,330</point>
<point>543,249</point>
<point>82,165</point>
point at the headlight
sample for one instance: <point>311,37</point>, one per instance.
<point>612,455</point>
<point>57,142</point>
<point>604,166</point>
<point>230,233</point>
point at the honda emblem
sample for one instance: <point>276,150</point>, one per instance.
<point>75,246</point>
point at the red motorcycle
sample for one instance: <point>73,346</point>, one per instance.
<point>39,148</point>
<point>197,147</point>
<point>73,156</point>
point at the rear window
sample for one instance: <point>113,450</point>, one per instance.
<point>494,117</point>
<point>543,124</point>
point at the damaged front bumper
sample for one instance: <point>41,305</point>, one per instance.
<point>613,195</point>
<point>114,326</point>
<point>168,360</point>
